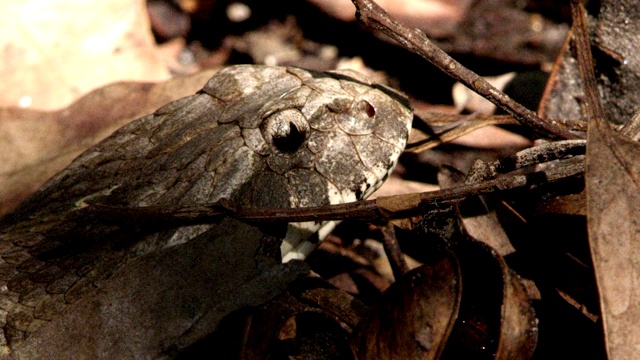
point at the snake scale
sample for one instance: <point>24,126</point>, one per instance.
<point>74,287</point>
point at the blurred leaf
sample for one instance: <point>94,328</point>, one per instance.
<point>56,51</point>
<point>614,44</point>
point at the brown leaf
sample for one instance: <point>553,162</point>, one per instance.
<point>55,52</point>
<point>440,18</point>
<point>613,206</point>
<point>477,214</point>
<point>615,45</point>
<point>613,200</point>
<point>508,32</point>
<point>464,303</point>
<point>415,317</point>
<point>496,319</point>
<point>307,321</point>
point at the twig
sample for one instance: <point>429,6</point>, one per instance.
<point>373,16</point>
<point>381,209</point>
<point>482,171</point>
<point>394,253</point>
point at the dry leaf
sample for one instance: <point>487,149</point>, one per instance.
<point>415,317</point>
<point>613,201</point>
<point>439,18</point>
<point>613,215</point>
<point>465,98</point>
<point>56,51</point>
<point>496,319</point>
<point>463,303</point>
<point>615,49</point>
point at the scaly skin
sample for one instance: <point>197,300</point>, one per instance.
<point>72,286</point>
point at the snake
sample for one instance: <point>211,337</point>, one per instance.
<point>73,286</point>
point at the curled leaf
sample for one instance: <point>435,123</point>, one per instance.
<point>496,319</point>
<point>415,316</point>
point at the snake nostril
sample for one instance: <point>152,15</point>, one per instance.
<point>367,108</point>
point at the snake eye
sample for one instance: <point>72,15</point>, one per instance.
<point>285,130</point>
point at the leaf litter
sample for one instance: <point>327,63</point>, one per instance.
<point>611,186</point>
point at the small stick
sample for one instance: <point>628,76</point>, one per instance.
<point>381,209</point>
<point>394,253</point>
<point>373,16</point>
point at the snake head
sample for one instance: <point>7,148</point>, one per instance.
<point>330,138</point>
<point>256,135</point>
<point>320,138</point>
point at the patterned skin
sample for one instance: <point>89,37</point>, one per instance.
<point>72,285</point>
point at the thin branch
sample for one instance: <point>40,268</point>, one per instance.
<point>482,171</point>
<point>373,16</point>
<point>452,130</point>
<point>381,209</point>
<point>394,253</point>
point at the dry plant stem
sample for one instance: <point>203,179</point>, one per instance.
<point>373,16</point>
<point>382,209</point>
<point>394,253</point>
<point>540,154</point>
<point>434,118</point>
<point>442,119</point>
<point>482,171</point>
<point>452,130</point>
<point>441,128</point>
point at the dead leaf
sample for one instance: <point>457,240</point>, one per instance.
<point>465,98</point>
<point>56,51</point>
<point>615,46</point>
<point>439,18</point>
<point>496,319</point>
<point>463,303</point>
<point>309,320</point>
<point>415,317</point>
<point>613,205</point>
